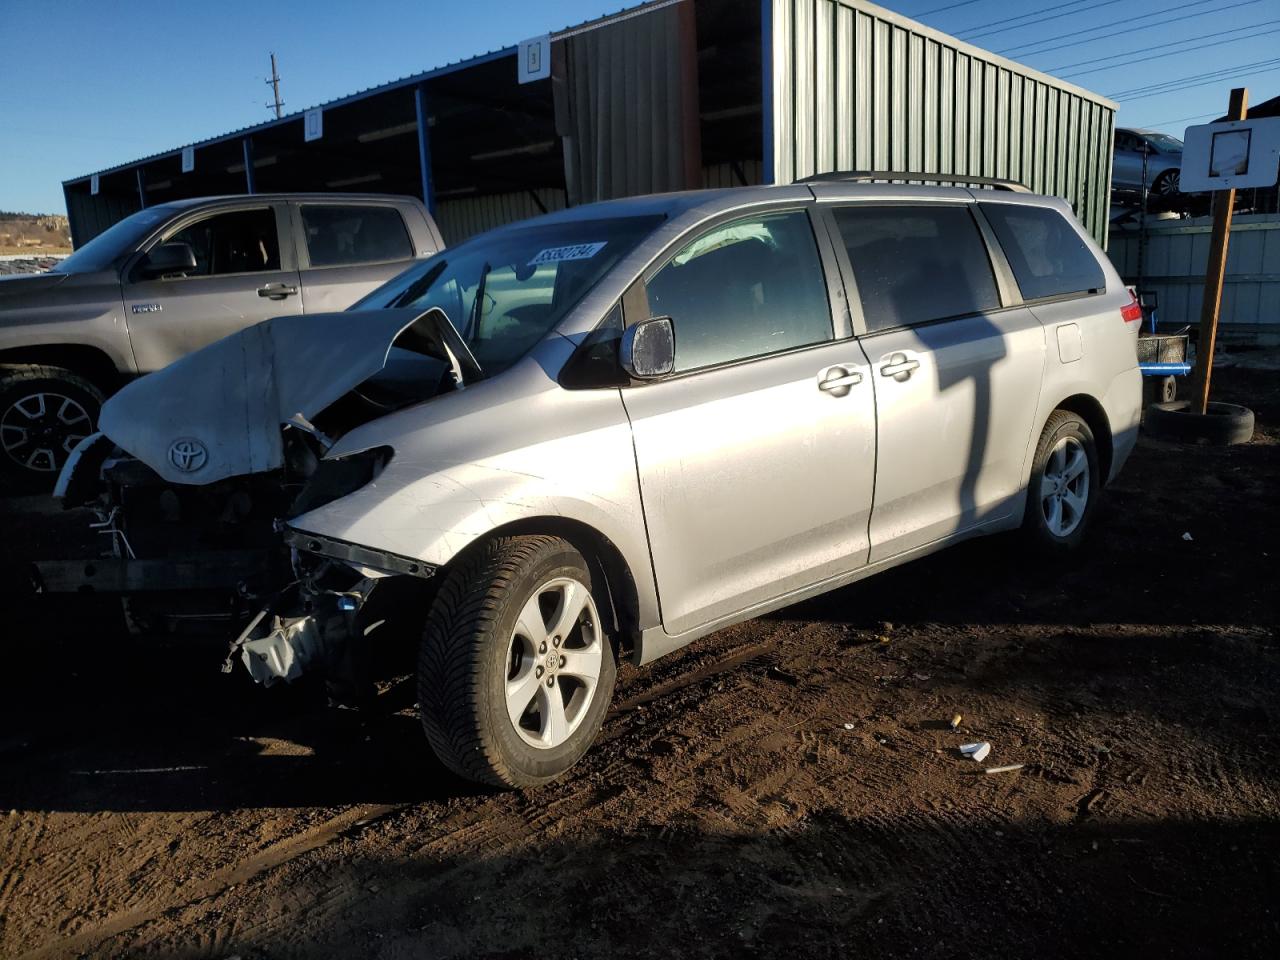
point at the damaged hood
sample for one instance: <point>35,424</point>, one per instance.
<point>217,413</point>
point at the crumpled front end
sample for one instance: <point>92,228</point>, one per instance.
<point>197,468</point>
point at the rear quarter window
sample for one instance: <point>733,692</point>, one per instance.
<point>345,234</point>
<point>1048,257</point>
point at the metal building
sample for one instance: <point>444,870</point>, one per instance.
<point>673,94</point>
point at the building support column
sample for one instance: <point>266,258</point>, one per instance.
<point>247,144</point>
<point>424,148</point>
<point>142,194</point>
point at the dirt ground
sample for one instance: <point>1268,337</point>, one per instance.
<point>783,788</point>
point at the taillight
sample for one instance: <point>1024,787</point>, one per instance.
<point>1132,310</point>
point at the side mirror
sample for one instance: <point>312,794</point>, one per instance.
<point>169,258</point>
<point>648,349</point>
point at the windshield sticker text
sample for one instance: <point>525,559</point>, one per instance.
<point>576,251</point>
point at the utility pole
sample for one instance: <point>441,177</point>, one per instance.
<point>275,88</point>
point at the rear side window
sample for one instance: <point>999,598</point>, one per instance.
<point>748,288</point>
<point>339,235</point>
<point>1047,255</point>
<point>916,263</point>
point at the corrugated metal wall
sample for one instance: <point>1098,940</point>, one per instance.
<point>857,87</point>
<point>626,104</point>
<point>748,173</point>
<point>463,217</point>
<point>1174,260</point>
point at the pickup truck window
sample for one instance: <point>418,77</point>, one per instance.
<point>340,235</point>
<point>239,241</point>
<point>117,241</point>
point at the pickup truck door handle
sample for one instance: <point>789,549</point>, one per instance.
<point>899,366</point>
<point>838,379</point>
<point>277,291</point>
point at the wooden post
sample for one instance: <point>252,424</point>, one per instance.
<point>1223,203</point>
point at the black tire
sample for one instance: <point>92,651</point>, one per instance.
<point>31,465</point>
<point>1158,390</point>
<point>1062,425</point>
<point>1223,424</point>
<point>465,659</point>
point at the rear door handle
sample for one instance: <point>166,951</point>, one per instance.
<point>899,366</point>
<point>838,379</point>
<point>277,291</point>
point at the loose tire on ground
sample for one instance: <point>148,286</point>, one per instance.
<point>1063,483</point>
<point>1223,424</point>
<point>44,412</point>
<point>494,629</point>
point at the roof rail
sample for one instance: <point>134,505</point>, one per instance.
<point>893,175</point>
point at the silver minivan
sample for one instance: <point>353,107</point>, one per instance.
<point>611,430</point>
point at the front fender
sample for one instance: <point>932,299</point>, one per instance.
<point>517,448</point>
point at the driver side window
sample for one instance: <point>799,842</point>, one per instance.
<point>745,289</point>
<point>239,241</point>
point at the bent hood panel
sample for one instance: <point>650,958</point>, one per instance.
<point>216,413</point>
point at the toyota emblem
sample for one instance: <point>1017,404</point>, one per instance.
<point>188,455</point>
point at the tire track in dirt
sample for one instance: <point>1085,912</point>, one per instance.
<point>485,828</point>
<point>244,870</point>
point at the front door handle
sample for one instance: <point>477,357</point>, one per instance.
<point>899,366</point>
<point>277,291</point>
<point>838,379</point>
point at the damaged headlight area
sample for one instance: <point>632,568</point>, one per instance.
<point>335,478</point>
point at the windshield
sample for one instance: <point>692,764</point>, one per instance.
<point>100,252</point>
<point>1162,141</point>
<point>506,289</point>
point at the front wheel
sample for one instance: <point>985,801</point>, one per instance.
<point>515,670</point>
<point>44,413</point>
<point>1064,484</point>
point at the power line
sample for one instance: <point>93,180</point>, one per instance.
<point>969,35</point>
<point>949,6</point>
<point>1158,46</point>
<point>1021,49</point>
<point>1197,76</point>
<point>1191,86</point>
<point>1202,80</point>
<point>1157,56</point>
<point>1198,116</point>
<point>1029,17</point>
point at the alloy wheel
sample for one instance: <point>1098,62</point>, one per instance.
<point>1169,184</point>
<point>553,663</point>
<point>1064,487</point>
<point>40,430</point>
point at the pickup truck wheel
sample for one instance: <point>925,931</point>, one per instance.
<point>1064,484</point>
<point>44,413</point>
<point>515,669</point>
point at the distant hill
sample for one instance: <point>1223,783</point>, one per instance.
<point>34,233</point>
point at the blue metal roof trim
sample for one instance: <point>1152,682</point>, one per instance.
<point>407,81</point>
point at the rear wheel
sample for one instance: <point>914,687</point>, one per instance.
<point>44,413</point>
<point>1064,484</point>
<point>515,670</point>
<point>1167,185</point>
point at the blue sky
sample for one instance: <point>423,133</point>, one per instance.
<point>86,85</point>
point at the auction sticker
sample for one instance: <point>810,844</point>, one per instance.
<point>576,251</point>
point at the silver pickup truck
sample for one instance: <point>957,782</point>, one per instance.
<point>168,280</point>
